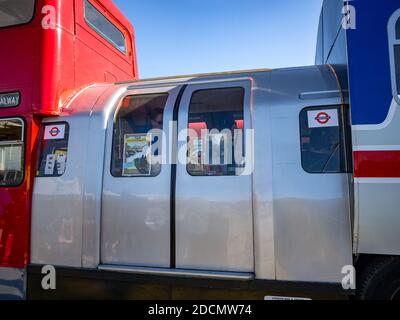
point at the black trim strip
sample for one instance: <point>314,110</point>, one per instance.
<point>173,180</point>
<point>74,283</point>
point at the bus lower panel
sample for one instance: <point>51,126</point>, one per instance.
<point>12,284</point>
<point>94,284</point>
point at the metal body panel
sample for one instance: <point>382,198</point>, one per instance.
<point>376,134</point>
<point>12,284</point>
<point>377,185</point>
<point>378,235</point>
<point>331,42</point>
<point>58,203</point>
<point>136,210</point>
<point>375,115</point>
<point>278,223</point>
<point>214,223</point>
<point>61,245</point>
<point>311,211</point>
<point>263,201</point>
<point>93,189</point>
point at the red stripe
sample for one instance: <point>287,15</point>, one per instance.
<point>377,164</point>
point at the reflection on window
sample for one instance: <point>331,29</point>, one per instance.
<point>11,152</point>
<point>104,27</point>
<point>53,152</point>
<point>321,143</point>
<point>138,136</point>
<point>15,12</point>
<point>216,138</point>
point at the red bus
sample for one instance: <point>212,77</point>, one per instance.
<point>51,49</point>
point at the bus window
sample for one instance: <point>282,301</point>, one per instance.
<point>11,152</point>
<point>321,140</point>
<point>216,120</point>
<point>104,27</point>
<point>15,12</point>
<point>53,150</point>
<point>137,136</point>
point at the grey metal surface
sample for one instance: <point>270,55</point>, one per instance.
<point>311,211</point>
<point>58,203</point>
<point>136,210</point>
<point>12,284</point>
<point>93,188</point>
<point>263,209</point>
<point>214,222</point>
<point>331,35</point>
<point>279,223</point>
<point>378,228</point>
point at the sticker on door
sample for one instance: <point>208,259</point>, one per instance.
<point>323,118</point>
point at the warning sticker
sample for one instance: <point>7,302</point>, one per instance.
<point>323,118</point>
<point>54,132</point>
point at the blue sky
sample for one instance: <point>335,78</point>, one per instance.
<point>195,36</point>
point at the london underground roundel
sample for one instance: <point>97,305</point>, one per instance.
<point>54,132</point>
<point>323,118</point>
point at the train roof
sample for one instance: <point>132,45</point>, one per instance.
<point>312,81</point>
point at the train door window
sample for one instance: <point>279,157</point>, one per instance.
<point>11,152</point>
<point>216,139</point>
<point>53,152</point>
<point>16,12</point>
<point>394,43</point>
<point>137,140</point>
<point>104,27</point>
<point>322,147</point>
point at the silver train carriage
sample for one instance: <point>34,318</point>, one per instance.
<point>279,216</point>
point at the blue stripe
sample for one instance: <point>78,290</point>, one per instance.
<point>368,61</point>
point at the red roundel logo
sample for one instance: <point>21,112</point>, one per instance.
<point>323,118</point>
<point>54,132</point>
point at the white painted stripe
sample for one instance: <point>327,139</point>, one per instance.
<point>384,124</point>
<point>377,148</point>
<point>377,180</point>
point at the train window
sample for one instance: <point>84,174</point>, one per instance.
<point>137,141</point>
<point>11,152</point>
<point>216,138</point>
<point>16,12</point>
<point>53,152</point>
<point>321,140</point>
<point>398,29</point>
<point>104,27</point>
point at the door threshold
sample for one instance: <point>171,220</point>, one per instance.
<point>182,273</point>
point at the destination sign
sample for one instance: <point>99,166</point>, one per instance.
<point>9,100</point>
